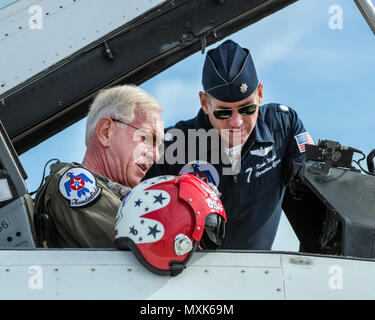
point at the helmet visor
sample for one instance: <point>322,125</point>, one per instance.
<point>214,231</point>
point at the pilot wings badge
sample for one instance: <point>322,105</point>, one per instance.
<point>78,185</point>
<point>261,152</point>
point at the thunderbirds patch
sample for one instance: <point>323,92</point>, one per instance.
<point>78,185</point>
<point>203,170</point>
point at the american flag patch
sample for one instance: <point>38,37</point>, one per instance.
<point>302,139</point>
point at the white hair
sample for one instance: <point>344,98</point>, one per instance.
<point>119,102</point>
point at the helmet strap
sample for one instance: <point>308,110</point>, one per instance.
<point>177,266</point>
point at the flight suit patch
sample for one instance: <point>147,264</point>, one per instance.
<point>203,170</point>
<point>79,186</point>
<point>303,139</point>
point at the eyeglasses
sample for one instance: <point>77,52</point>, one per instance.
<point>223,114</point>
<point>146,137</point>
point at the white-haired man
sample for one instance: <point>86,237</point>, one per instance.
<point>124,136</point>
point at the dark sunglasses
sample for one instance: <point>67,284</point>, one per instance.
<point>146,137</point>
<point>223,114</point>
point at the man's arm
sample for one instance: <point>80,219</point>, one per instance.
<point>88,226</point>
<point>296,144</point>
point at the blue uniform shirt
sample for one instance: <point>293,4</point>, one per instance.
<point>252,198</point>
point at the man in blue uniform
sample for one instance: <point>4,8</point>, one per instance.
<point>252,162</point>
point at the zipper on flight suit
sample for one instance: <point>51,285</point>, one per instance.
<point>235,180</point>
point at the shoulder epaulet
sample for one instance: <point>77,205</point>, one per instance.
<point>283,108</point>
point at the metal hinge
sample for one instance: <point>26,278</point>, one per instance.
<point>107,51</point>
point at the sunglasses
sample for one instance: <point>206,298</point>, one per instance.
<point>223,114</point>
<point>147,138</point>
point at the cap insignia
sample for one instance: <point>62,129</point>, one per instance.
<point>243,88</point>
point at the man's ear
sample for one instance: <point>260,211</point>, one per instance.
<point>204,103</point>
<point>260,93</point>
<point>104,130</point>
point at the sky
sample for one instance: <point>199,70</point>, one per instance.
<point>314,56</point>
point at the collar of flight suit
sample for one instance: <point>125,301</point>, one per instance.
<point>262,131</point>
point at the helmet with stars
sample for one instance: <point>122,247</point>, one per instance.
<point>163,220</point>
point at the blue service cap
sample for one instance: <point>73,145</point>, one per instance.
<point>229,73</point>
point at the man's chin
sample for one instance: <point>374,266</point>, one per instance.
<point>136,180</point>
<point>233,140</point>
<point>133,184</point>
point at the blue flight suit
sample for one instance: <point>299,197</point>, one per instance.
<point>252,198</point>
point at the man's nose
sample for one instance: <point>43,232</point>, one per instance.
<point>235,120</point>
<point>156,154</point>
<point>149,155</point>
<point>152,154</point>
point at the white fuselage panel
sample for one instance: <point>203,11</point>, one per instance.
<point>112,274</point>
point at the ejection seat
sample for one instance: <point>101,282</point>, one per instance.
<point>16,204</point>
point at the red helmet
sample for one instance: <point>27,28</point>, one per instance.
<point>163,219</point>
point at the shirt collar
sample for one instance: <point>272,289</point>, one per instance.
<point>202,121</point>
<point>262,132</point>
